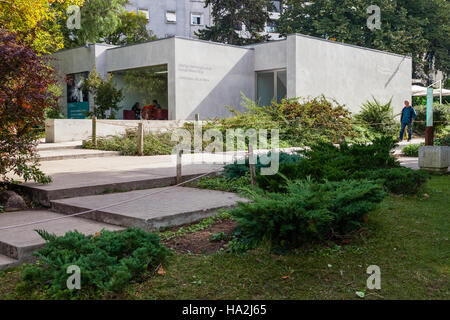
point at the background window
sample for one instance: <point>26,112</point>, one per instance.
<point>196,19</point>
<point>171,17</point>
<point>277,5</point>
<point>272,26</point>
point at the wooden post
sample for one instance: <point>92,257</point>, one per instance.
<point>251,161</point>
<point>429,136</point>
<point>179,176</point>
<point>140,136</point>
<point>197,117</point>
<point>94,131</point>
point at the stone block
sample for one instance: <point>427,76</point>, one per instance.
<point>434,158</point>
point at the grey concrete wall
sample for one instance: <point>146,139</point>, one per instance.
<point>183,8</point>
<point>63,130</point>
<point>211,76</point>
<point>270,55</point>
<point>349,74</point>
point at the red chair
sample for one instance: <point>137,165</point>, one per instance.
<point>129,115</point>
<point>157,114</point>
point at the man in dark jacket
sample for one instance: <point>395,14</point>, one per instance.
<point>408,115</point>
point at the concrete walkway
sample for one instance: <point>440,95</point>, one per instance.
<point>17,245</point>
<point>155,208</point>
<point>94,176</point>
<point>84,177</point>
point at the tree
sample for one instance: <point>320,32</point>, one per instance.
<point>36,23</point>
<point>416,27</point>
<point>99,18</point>
<point>24,95</point>
<point>229,17</point>
<point>132,29</point>
<point>106,96</point>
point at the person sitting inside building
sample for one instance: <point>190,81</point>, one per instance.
<point>147,112</point>
<point>137,110</point>
<point>156,104</point>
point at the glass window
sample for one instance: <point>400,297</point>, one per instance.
<point>196,19</point>
<point>145,89</point>
<point>265,88</point>
<point>171,16</point>
<point>270,86</point>
<point>77,96</point>
<point>271,26</point>
<point>281,85</point>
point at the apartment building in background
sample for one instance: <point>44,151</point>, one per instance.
<point>183,18</point>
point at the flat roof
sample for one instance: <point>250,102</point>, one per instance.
<point>329,41</point>
<point>351,45</point>
<point>246,47</point>
<point>183,38</point>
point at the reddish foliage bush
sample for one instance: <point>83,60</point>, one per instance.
<point>24,82</point>
<point>313,119</point>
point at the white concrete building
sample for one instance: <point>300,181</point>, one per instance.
<point>190,77</point>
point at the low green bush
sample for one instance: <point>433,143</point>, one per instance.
<point>236,169</point>
<point>396,180</point>
<point>412,150</point>
<point>307,212</point>
<point>443,137</point>
<point>154,144</point>
<point>108,262</point>
<point>334,163</point>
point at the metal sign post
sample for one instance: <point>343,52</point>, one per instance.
<point>429,131</point>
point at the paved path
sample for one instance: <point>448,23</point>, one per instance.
<point>155,208</point>
<point>93,176</point>
<point>17,245</point>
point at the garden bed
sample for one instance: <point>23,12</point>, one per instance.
<point>200,242</point>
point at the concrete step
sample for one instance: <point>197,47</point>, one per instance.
<point>60,145</point>
<point>164,207</point>
<point>20,243</point>
<point>68,153</point>
<point>108,175</point>
<point>7,262</point>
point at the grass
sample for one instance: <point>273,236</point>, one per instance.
<point>408,238</point>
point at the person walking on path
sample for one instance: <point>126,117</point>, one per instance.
<point>408,115</point>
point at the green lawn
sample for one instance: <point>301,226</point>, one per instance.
<point>408,238</point>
